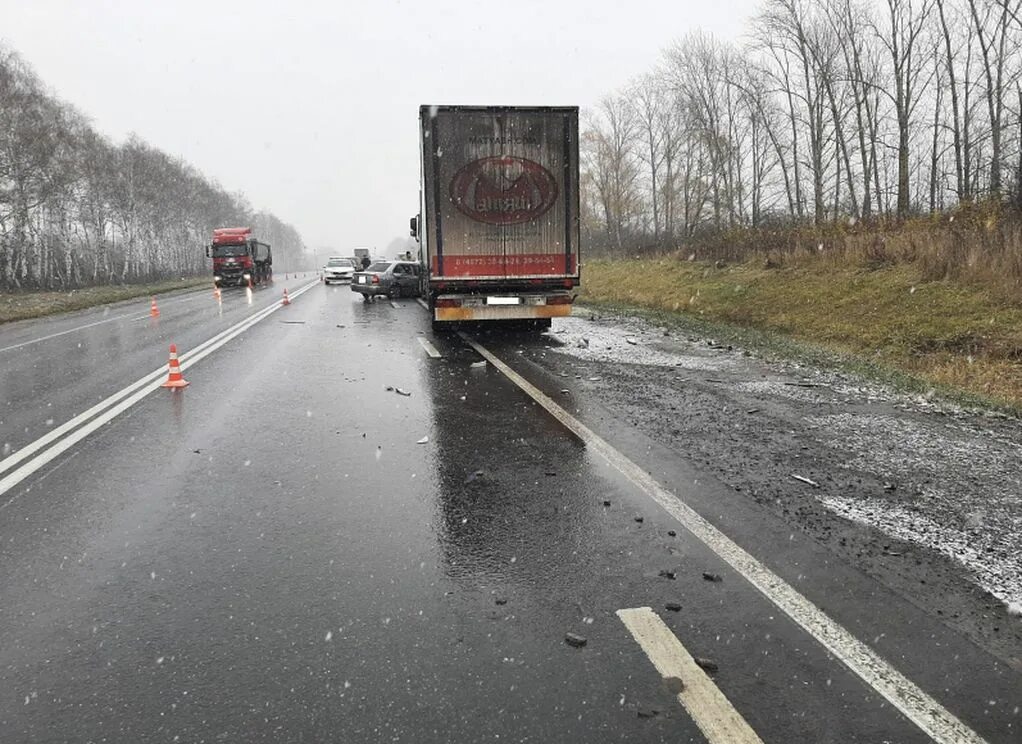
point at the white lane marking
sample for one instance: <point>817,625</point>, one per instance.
<point>705,703</point>
<point>924,711</point>
<point>430,349</point>
<point>64,333</point>
<point>67,426</point>
<point>79,328</point>
<point>422,302</point>
<point>148,384</point>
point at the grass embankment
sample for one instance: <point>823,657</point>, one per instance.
<point>22,305</point>
<point>946,333</point>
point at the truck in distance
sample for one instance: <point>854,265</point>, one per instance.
<point>498,224</point>
<point>238,258</point>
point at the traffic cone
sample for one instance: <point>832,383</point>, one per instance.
<point>286,300</point>
<point>216,293</point>
<point>154,312</point>
<point>175,379</point>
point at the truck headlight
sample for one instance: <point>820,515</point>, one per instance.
<point>246,276</point>
<point>216,278</point>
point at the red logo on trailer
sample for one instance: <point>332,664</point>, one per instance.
<point>503,190</point>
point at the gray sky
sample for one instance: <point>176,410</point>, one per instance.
<point>310,108</point>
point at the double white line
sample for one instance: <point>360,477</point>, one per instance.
<point>71,432</point>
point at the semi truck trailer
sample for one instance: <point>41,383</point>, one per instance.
<point>498,222</point>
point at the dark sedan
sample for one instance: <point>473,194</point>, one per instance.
<point>390,278</point>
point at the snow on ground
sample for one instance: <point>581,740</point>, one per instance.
<point>966,501</point>
<point>635,343</point>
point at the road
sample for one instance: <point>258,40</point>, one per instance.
<point>349,528</point>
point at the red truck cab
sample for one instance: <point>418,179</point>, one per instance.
<point>238,258</point>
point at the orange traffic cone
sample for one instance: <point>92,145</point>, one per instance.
<point>216,293</point>
<point>286,300</point>
<point>154,312</point>
<point>175,379</point>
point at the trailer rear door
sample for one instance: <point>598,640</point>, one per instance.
<point>502,192</point>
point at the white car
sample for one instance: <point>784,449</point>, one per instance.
<point>338,269</point>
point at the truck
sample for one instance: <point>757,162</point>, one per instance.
<point>238,258</point>
<point>498,221</point>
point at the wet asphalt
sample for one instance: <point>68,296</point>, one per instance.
<point>275,554</point>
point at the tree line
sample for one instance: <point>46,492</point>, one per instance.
<point>77,209</point>
<point>826,110</point>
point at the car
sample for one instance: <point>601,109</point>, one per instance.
<point>390,278</point>
<point>338,269</point>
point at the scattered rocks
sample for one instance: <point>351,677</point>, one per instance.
<point>575,641</point>
<point>707,665</point>
<point>712,577</point>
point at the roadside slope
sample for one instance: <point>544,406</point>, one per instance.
<point>961,337</point>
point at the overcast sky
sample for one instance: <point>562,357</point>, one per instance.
<point>310,108</point>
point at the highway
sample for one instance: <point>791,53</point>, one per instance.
<point>350,528</point>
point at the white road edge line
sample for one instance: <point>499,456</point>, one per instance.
<point>83,327</point>
<point>712,712</point>
<point>148,384</point>
<point>430,349</point>
<point>920,708</point>
<point>81,418</point>
<point>422,302</point>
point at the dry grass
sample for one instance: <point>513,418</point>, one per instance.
<point>22,305</point>
<point>978,244</point>
<point>895,315</point>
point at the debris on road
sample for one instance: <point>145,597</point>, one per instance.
<point>575,640</point>
<point>475,476</point>
<point>646,711</point>
<point>501,600</point>
<point>805,384</point>
<point>672,533</point>
<point>668,574</point>
<point>752,411</point>
<point>640,519</point>
<point>632,341</point>
<point>803,479</point>
<point>673,606</point>
<point>707,665</point>
<point>712,577</point>
<point>606,502</point>
<point>478,365</point>
<point>424,440</point>
<point>293,322</point>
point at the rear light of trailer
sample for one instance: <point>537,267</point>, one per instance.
<point>559,300</point>
<point>376,279</point>
<point>448,302</point>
